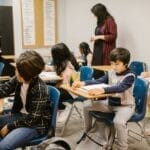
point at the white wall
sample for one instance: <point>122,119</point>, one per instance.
<point>76,23</point>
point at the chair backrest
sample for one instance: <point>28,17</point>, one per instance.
<point>140,93</point>
<point>137,67</point>
<point>54,97</point>
<point>1,67</point>
<point>86,73</point>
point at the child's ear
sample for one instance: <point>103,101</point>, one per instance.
<point>126,65</point>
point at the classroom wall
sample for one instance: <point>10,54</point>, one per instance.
<point>132,17</point>
<point>76,23</point>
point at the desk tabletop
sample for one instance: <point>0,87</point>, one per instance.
<point>1,105</point>
<point>102,67</point>
<point>83,93</point>
<point>4,78</point>
<point>9,57</point>
<point>49,76</point>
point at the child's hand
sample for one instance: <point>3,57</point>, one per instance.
<point>4,131</point>
<point>96,91</point>
<point>145,74</point>
<point>77,84</point>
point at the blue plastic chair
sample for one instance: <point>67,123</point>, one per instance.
<point>54,97</point>
<point>86,73</point>
<point>138,67</point>
<point>1,68</point>
<point>140,93</point>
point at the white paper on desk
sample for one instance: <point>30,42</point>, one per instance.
<point>89,87</point>
<point>45,74</point>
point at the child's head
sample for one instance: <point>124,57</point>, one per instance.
<point>60,52</point>
<point>29,64</point>
<point>84,48</point>
<point>119,59</point>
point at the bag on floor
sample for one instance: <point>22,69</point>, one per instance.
<point>98,138</point>
<point>55,143</point>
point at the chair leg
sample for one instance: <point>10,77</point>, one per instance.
<point>141,135</point>
<point>76,108</point>
<point>66,122</point>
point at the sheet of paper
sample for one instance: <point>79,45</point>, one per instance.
<point>45,74</point>
<point>89,87</point>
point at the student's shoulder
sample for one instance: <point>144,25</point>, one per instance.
<point>130,72</point>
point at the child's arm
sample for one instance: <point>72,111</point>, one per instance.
<point>8,87</point>
<point>103,79</point>
<point>122,86</point>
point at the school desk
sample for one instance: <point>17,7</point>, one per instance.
<point>83,93</point>
<point>102,67</point>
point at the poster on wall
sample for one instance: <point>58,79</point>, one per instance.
<point>49,22</point>
<point>28,20</point>
<point>38,23</point>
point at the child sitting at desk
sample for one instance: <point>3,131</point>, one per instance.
<point>86,53</point>
<point>30,116</point>
<point>65,64</point>
<point>121,80</point>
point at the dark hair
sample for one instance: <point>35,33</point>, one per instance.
<point>61,55</point>
<point>100,11</point>
<point>84,48</point>
<point>29,64</point>
<point>120,54</point>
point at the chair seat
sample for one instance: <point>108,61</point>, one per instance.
<point>136,117</point>
<point>103,116</point>
<point>108,117</point>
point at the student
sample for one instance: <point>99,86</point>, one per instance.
<point>86,53</point>
<point>121,81</point>
<point>105,37</point>
<point>30,115</point>
<point>65,64</point>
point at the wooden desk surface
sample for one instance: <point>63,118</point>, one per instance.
<point>1,101</point>
<point>102,67</point>
<point>1,104</point>
<point>83,93</point>
<point>3,78</point>
<point>9,57</point>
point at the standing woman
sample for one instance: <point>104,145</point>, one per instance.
<point>105,35</point>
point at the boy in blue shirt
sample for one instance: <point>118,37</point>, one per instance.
<point>122,103</point>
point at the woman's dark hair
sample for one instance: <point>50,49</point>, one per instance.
<point>61,55</point>
<point>100,11</point>
<point>29,64</point>
<point>120,54</point>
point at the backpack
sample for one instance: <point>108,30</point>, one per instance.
<point>54,143</point>
<point>98,138</point>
